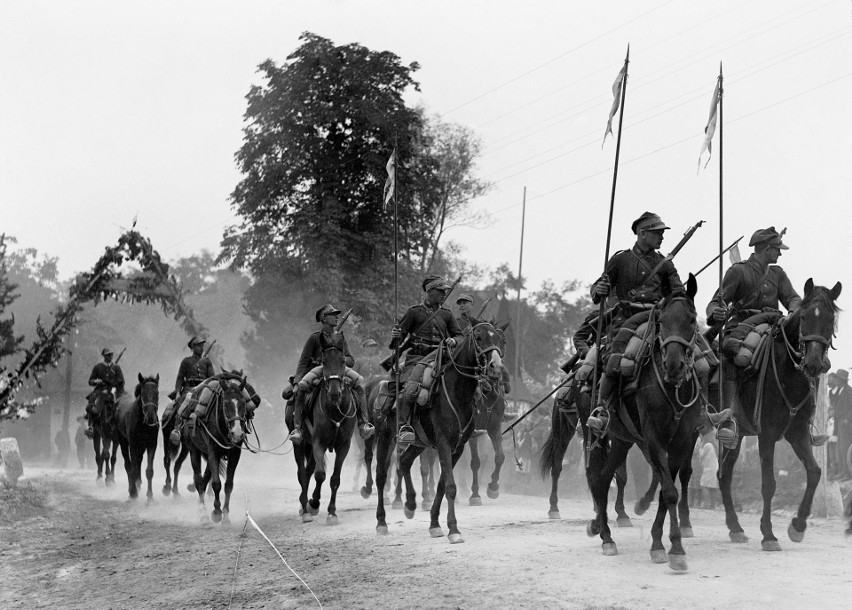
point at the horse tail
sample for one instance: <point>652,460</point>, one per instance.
<point>223,467</point>
<point>548,451</point>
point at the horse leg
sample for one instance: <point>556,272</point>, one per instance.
<point>643,503</point>
<point>184,451</point>
<point>620,483</point>
<point>128,468</point>
<point>233,459</point>
<point>319,477</point>
<point>111,476</point>
<point>602,466</point>
<point>167,463</point>
<point>553,453</point>
<point>677,554</point>
<point>726,475</point>
<point>198,477</point>
<point>435,512</point>
<point>334,483</point>
<point>403,471</point>
<point>397,497</point>
<point>215,484</point>
<point>445,458</point>
<point>149,470</point>
<point>685,475</point>
<point>304,478</point>
<point>499,457</point>
<point>766,449</point>
<point>105,447</point>
<point>801,444</point>
<point>425,475</point>
<point>99,458</point>
<point>367,489</point>
<point>473,444</point>
<point>663,466</point>
<point>384,446</point>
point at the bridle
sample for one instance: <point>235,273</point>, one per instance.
<point>351,410</point>
<point>149,404</point>
<point>689,361</point>
<point>218,405</point>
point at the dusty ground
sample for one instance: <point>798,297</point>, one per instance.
<point>67,541</point>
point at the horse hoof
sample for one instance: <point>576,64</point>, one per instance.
<point>190,488</point>
<point>553,514</point>
<point>312,510</point>
<point>397,504</point>
<point>794,534</point>
<point>624,522</point>
<point>770,545</point>
<point>382,530</point>
<point>436,532</point>
<point>306,517</point>
<point>331,520</point>
<point>167,490</point>
<point>592,528</point>
<point>426,504</point>
<point>365,493</point>
<point>686,532</point>
<point>492,493</point>
<point>216,516</point>
<point>456,539</point>
<point>659,556</point>
<point>641,506</point>
<point>738,537</point>
<point>226,520</point>
<point>151,500</point>
<point>475,501</point>
<point>677,563</point>
<point>409,513</point>
<point>609,549</point>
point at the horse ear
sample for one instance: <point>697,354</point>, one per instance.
<point>141,378</point>
<point>691,286</point>
<point>503,326</point>
<point>809,286</point>
<point>157,379</point>
<point>835,292</point>
<point>243,384</point>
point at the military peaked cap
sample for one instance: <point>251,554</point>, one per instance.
<point>464,297</point>
<point>369,343</point>
<point>769,235</point>
<point>326,310</point>
<point>106,351</point>
<point>435,282</point>
<point>648,221</point>
<point>196,341</point>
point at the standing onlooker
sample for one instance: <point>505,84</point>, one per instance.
<point>80,441</point>
<point>694,489</point>
<point>842,407</point>
<point>709,478</point>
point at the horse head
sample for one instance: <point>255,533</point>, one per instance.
<point>148,394</point>
<point>488,341</point>
<point>817,324</point>
<point>333,367</point>
<point>677,332</point>
<point>234,407</point>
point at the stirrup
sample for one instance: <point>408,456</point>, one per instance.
<point>366,430</point>
<point>726,433</point>
<point>478,432</point>
<point>598,421</point>
<point>295,436</point>
<point>818,440</point>
<point>406,435</point>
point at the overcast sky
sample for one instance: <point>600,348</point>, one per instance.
<point>109,109</point>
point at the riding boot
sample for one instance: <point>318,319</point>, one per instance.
<point>403,412</point>
<point>89,431</point>
<point>296,435</point>
<point>174,437</point>
<point>726,433</point>
<point>598,421</point>
<point>817,439</point>
<point>365,428</point>
<point>709,421</point>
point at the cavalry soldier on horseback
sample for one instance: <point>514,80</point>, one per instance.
<point>193,370</point>
<point>750,287</point>
<point>634,281</point>
<point>367,365</point>
<point>424,332</point>
<point>309,369</point>
<point>106,376</point>
<point>465,319</point>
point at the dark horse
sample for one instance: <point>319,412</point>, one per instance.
<point>446,423</point>
<point>103,429</point>
<point>564,421</point>
<point>172,453</point>
<point>662,417</point>
<point>217,436</point>
<point>136,428</point>
<point>778,402</point>
<point>490,418</point>
<point>330,424</point>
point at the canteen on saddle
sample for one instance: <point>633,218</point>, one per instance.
<point>419,385</point>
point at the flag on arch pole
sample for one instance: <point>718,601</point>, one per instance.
<point>710,128</point>
<point>616,101</point>
<point>734,253</point>
<point>390,182</point>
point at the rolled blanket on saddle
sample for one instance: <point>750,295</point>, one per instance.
<point>201,397</point>
<point>745,342</point>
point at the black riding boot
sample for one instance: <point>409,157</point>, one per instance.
<point>365,428</point>
<point>296,435</point>
<point>403,412</point>
<point>598,421</point>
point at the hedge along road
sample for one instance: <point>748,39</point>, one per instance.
<point>87,546</point>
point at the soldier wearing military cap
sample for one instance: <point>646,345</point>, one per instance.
<point>309,369</point>
<point>465,319</point>
<point>368,363</point>
<point>106,377</point>
<point>634,278</point>
<point>192,371</point>
<point>750,287</point>
<point>425,338</point>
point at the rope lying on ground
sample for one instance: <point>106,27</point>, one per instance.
<point>265,537</point>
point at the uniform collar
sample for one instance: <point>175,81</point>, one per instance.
<point>430,306</point>
<point>638,252</point>
<point>755,262</point>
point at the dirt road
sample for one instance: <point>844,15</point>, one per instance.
<point>69,542</point>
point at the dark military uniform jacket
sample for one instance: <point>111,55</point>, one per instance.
<point>466,322</point>
<point>427,338</point>
<point>750,285</point>
<point>193,370</point>
<point>368,367</point>
<point>629,273</point>
<point>108,375</point>
<point>584,338</point>
<point>312,354</point>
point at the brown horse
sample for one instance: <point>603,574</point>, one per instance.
<point>103,435</point>
<point>778,401</point>
<point>136,429</point>
<point>330,425</point>
<point>490,418</point>
<point>662,417</point>
<point>446,423</point>
<point>218,437</point>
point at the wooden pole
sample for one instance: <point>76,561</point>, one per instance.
<point>517,372</point>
